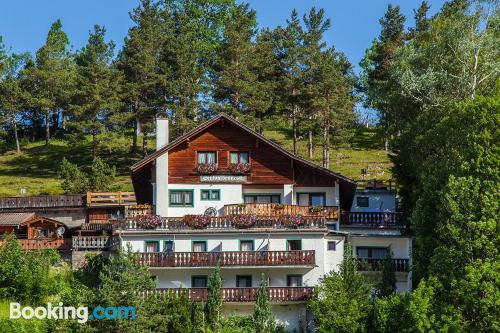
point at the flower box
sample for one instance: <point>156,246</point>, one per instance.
<point>243,221</point>
<point>292,221</point>
<point>149,221</point>
<point>206,168</point>
<point>197,221</point>
<point>239,167</point>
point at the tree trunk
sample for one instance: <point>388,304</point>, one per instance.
<point>144,144</point>
<point>94,145</point>
<point>295,130</point>
<point>386,144</point>
<point>310,150</point>
<point>326,146</point>
<point>135,137</point>
<point>18,148</point>
<point>47,128</point>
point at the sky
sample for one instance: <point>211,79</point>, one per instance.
<point>355,23</point>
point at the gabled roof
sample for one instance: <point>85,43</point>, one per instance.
<point>214,120</point>
<point>15,219</point>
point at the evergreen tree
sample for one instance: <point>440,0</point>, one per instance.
<point>234,76</point>
<point>97,92</point>
<point>213,307</point>
<point>290,53</point>
<point>52,77</point>
<point>138,61</point>
<point>342,299</point>
<point>387,284</point>
<point>262,314</point>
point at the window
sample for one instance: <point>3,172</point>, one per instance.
<point>311,199</point>
<point>246,245</point>
<point>332,246</point>
<point>207,157</point>
<point>244,281</point>
<point>199,281</point>
<point>181,198</point>
<point>294,281</point>
<point>199,246</point>
<point>262,198</point>
<point>238,157</point>
<point>294,244</point>
<point>371,252</point>
<point>210,194</point>
<point>168,246</point>
<point>363,201</point>
<point>152,246</point>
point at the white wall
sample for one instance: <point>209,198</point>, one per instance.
<point>331,197</point>
<point>229,194</point>
<point>379,200</point>
<point>160,186</point>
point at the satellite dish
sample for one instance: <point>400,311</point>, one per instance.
<point>60,231</point>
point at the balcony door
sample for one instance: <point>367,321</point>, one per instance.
<point>262,198</point>
<point>294,281</point>
<point>152,246</point>
<point>244,281</point>
<point>294,244</point>
<point>199,281</point>
<point>246,245</point>
<point>199,246</point>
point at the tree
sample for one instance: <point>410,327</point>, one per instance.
<point>51,76</point>
<point>12,94</point>
<point>138,61</point>
<point>387,284</point>
<point>342,299</point>
<point>213,307</point>
<point>97,94</point>
<point>234,75</point>
<point>289,48</point>
<point>100,178</point>
<point>262,314</point>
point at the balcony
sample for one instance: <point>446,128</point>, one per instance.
<point>110,199</point>
<point>375,184</point>
<point>81,243</point>
<point>219,223</point>
<point>275,294</point>
<point>373,219</point>
<point>373,265</point>
<point>228,258</point>
<point>42,244</point>
<point>273,209</point>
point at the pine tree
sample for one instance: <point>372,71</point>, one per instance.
<point>213,307</point>
<point>97,92</point>
<point>52,76</point>
<point>262,315</point>
<point>234,75</point>
<point>290,52</point>
<point>387,284</point>
<point>138,62</point>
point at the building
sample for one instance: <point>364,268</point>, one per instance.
<point>225,194</point>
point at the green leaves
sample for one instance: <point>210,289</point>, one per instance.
<point>100,178</point>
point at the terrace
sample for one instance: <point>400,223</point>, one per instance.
<point>373,219</point>
<point>273,209</point>
<point>275,294</point>
<point>228,258</point>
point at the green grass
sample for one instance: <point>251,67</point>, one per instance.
<point>36,167</point>
<point>365,152</point>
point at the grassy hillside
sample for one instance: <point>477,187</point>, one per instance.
<point>36,168</point>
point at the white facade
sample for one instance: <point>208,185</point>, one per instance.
<point>377,200</point>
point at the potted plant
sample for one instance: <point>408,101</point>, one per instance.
<point>206,168</point>
<point>243,221</point>
<point>239,167</point>
<point>292,221</point>
<point>197,221</point>
<point>149,221</point>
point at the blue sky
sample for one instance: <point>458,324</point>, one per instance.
<point>24,24</point>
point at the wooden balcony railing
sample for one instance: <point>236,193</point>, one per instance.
<point>375,184</point>
<point>228,258</point>
<point>97,226</point>
<point>42,201</point>
<point>93,242</point>
<point>95,199</point>
<point>221,223</point>
<point>275,294</point>
<point>40,244</point>
<point>371,265</point>
<point>329,212</point>
<point>373,219</point>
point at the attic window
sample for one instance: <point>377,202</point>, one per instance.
<point>207,157</point>
<point>239,157</point>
